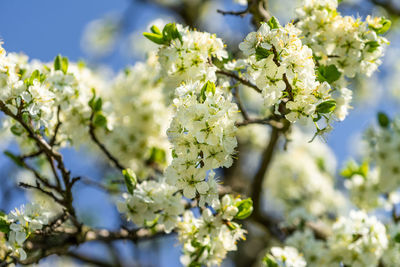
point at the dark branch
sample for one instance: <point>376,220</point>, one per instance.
<point>87,259</point>
<point>240,104</point>
<point>388,5</point>
<point>241,13</point>
<point>242,80</point>
<point>57,128</point>
<point>92,132</point>
<point>44,191</point>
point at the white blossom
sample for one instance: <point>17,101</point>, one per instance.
<point>284,257</point>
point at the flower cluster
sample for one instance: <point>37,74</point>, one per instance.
<point>363,185</point>
<point>284,257</point>
<point>315,251</point>
<point>23,223</point>
<point>44,94</point>
<point>304,187</point>
<point>391,256</point>
<point>352,45</point>
<point>357,240</point>
<point>384,150</point>
<point>138,117</point>
<point>186,55</point>
<point>153,202</point>
<point>203,136</point>
<point>283,68</point>
<point>207,239</point>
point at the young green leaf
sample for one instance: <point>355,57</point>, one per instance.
<point>209,87</point>
<point>396,238</point>
<point>64,65</point>
<point>99,120</point>
<point>14,158</point>
<point>170,32</point>
<point>352,168</point>
<point>155,29</point>
<point>57,63</point>
<point>4,224</point>
<point>154,37</point>
<point>386,24</point>
<point>269,261</point>
<point>245,208</point>
<point>326,107</point>
<point>262,53</point>
<point>130,180</point>
<point>98,104</point>
<point>17,130</point>
<point>383,120</point>
<point>372,46</point>
<point>328,74</point>
<point>157,155</point>
<point>273,23</point>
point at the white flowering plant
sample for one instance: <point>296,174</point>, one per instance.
<point>211,143</point>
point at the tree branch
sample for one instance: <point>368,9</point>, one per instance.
<point>241,13</point>
<point>92,132</point>
<point>388,5</point>
<point>258,179</point>
<point>87,259</point>
<point>242,80</point>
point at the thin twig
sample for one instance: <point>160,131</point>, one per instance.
<point>242,80</point>
<point>242,109</point>
<point>92,132</point>
<point>99,185</point>
<point>241,13</point>
<point>87,259</point>
<point>57,128</point>
<point>388,6</point>
<point>39,188</point>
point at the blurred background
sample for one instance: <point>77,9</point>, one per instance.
<point>108,34</point>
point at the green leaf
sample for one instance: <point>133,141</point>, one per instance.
<point>157,155</point>
<point>130,180</point>
<point>17,129</point>
<point>91,102</point>
<point>156,38</point>
<point>99,120</point>
<point>245,208</point>
<point>57,62</point>
<point>273,23</point>
<point>269,261</point>
<point>352,168</point>
<point>4,224</point>
<point>262,53</point>
<point>34,76</point>
<point>174,155</point>
<point>328,74</point>
<point>155,29</point>
<point>383,120</point>
<point>64,65</point>
<point>98,104</point>
<point>14,158</point>
<point>26,118</point>
<point>396,238</point>
<point>386,24</point>
<point>170,32</point>
<point>326,107</point>
<point>231,225</point>
<point>372,46</point>
<point>195,264</point>
<point>209,87</point>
